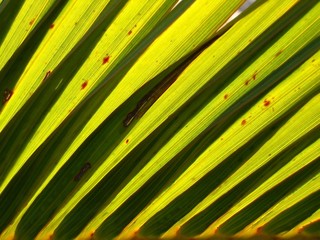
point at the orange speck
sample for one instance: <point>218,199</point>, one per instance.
<point>225,96</point>
<point>127,141</point>
<point>129,33</point>
<point>266,103</point>
<point>83,85</point>
<point>31,22</point>
<point>243,122</point>
<point>105,59</point>
<point>259,229</point>
<point>92,234</point>
<point>52,26</point>
<point>136,233</point>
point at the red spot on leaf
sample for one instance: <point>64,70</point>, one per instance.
<point>243,122</point>
<point>129,33</point>
<point>7,95</point>
<point>105,59</point>
<point>51,26</point>
<point>83,85</point>
<point>32,22</point>
<point>225,96</point>
<point>266,103</point>
<point>127,141</point>
<point>92,235</point>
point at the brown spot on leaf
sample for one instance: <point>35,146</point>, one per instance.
<point>129,33</point>
<point>7,94</point>
<point>225,96</point>
<point>83,85</point>
<point>254,75</point>
<point>105,59</point>
<point>266,103</point>
<point>243,122</point>
<point>51,26</point>
<point>46,76</point>
<point>278,53</point>
<point>32,21</point>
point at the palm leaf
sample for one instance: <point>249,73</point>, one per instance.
<point>141,119</point>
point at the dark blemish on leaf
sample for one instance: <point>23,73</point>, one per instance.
<point>129,33</point>
<point>247,82</point>
<point>31,22</point>
<point>92,235</point>
<point>149,99</point>
<point>83,85</point>
<point>46,76</point>
<point>225,96</point>
<point>82,171</point>
<point>278,53</point>
<point>105,59</point>
<point>127,141</point>
<point>266,103</point>
<point>7,94</point>
<point>129,118</point>
<point>51,26</point>
<point>254,75</point>
<point>313,60</point>
<point>243,122</point>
